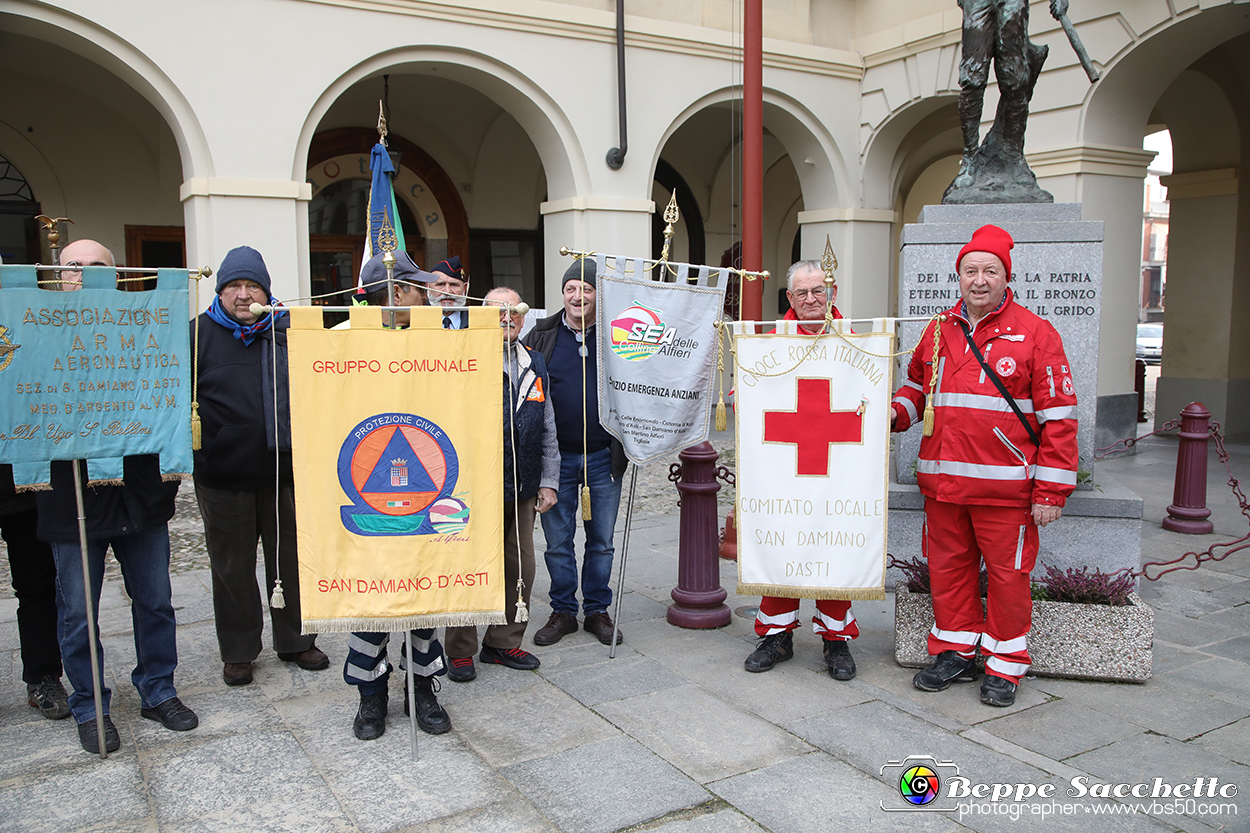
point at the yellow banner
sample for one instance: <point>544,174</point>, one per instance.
<point>397,442</point>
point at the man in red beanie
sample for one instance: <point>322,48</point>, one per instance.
<point>1000,462</point>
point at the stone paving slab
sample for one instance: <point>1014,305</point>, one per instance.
<point>246,773</point>
<point>512,815</point>
<point>1060,730</point>
<point>604,787</point>
<point>1231,741</point>
<point>720,821</point>
<point>517,726</point>
<point>702,735</point>
<point>88,795</point>
<point>614,679</point>
<point>818,793</point>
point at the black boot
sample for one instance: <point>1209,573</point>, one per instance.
<point>431,717</point>
<point>370,722</point>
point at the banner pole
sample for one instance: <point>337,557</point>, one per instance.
<point>410,681</point>
<point>620,578</point>
<point>91,620</point>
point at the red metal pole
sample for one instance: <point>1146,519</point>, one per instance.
<point>753,156</point>
<point>698,598</point>
<point>1189,512</point>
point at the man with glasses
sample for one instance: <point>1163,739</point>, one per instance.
<point>75,256</point>
<point>778,616</point>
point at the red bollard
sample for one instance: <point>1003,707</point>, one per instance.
<point>1188,512</point>
<point>698,598</point>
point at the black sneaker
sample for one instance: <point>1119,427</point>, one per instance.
<point>173,715</point>
<point>431,717</point>
<point>510,657</point>
<point>949,667</point>
<point>996,691</point>
<point>770,650</point>
<point>370,722</point>
<point>90,738</point>
<point>48,695</point>
<point>459,669</point>
<point>838,658</point>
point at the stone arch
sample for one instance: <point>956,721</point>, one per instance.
<point>100,46</point>
<point>548,127</point>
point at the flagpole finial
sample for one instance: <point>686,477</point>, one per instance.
<point>671,216</point>
<point>381,124</point>
<point>829,262</point>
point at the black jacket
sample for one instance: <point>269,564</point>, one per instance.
<point>542,339</point>
<point>143,501</point>
<point>237,443</point>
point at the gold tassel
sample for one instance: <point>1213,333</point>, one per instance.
<point>585,503</point>
<point>195,426</point>
<point>277,601</point>
<point>722,420</point>
<point>929,416</point>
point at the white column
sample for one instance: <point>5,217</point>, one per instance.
<point>271,216</point>
<point>598,224</point>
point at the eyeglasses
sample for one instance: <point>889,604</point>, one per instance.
<point>818,294</point>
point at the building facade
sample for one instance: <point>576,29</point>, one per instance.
<point>195,127</point>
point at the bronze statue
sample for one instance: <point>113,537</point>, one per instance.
<point>995,171</point>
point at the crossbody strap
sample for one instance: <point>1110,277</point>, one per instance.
<point>998,383</point>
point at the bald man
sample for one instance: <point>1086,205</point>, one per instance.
<point>78,254</point>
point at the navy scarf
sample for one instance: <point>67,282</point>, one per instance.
<point>245,333</point>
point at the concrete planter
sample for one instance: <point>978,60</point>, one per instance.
<point>1078,641</point>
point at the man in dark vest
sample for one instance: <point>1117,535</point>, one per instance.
<point>531,474</point>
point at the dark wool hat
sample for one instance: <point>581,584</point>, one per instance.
<point>406,271</point>
<point>243,264</point>
<point>993,240</point>
<point>452,268</point>
<point>583,269</point>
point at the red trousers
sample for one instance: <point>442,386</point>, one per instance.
<point>957,538</point>
<point>833,619</point>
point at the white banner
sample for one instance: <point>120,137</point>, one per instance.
<point>812,440</point>
<point>657,357</point>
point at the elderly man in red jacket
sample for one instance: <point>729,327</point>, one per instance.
<point>1001,461</point>
<point>778,616</point>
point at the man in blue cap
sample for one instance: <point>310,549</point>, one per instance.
<point>243,480</point>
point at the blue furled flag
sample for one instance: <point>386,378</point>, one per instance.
<point>385,230</point>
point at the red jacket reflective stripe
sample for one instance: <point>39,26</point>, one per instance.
<point>979,451</point>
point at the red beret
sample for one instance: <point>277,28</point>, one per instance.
<point>990,239</point>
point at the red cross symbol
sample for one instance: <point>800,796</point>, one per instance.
<point>812,426</point>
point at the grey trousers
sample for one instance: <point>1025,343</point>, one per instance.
<point>233,522</point>
<point>462,642</point>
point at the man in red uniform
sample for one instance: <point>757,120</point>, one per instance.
<point>778,616</point>
<point>990,475</point>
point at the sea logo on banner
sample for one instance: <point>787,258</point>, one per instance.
<point>400,470</point>
<point>638,333</point>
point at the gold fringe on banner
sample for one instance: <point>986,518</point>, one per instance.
<point>848,593</point>
<point>402,623</point>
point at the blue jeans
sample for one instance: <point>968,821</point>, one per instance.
<point>560,524</point>
<point>144,559</point>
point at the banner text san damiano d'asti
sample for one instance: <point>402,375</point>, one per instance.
<point>657,352</point>
<point>812,439</point>
<point>95,374</point>
<point>397,447</point>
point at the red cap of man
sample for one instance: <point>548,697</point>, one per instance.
<point>990,239</point>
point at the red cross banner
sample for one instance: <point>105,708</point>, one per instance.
<point>813,445</point>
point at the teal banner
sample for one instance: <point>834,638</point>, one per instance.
<point>95,374</point>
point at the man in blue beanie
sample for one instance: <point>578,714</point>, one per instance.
<point>243,478</point>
